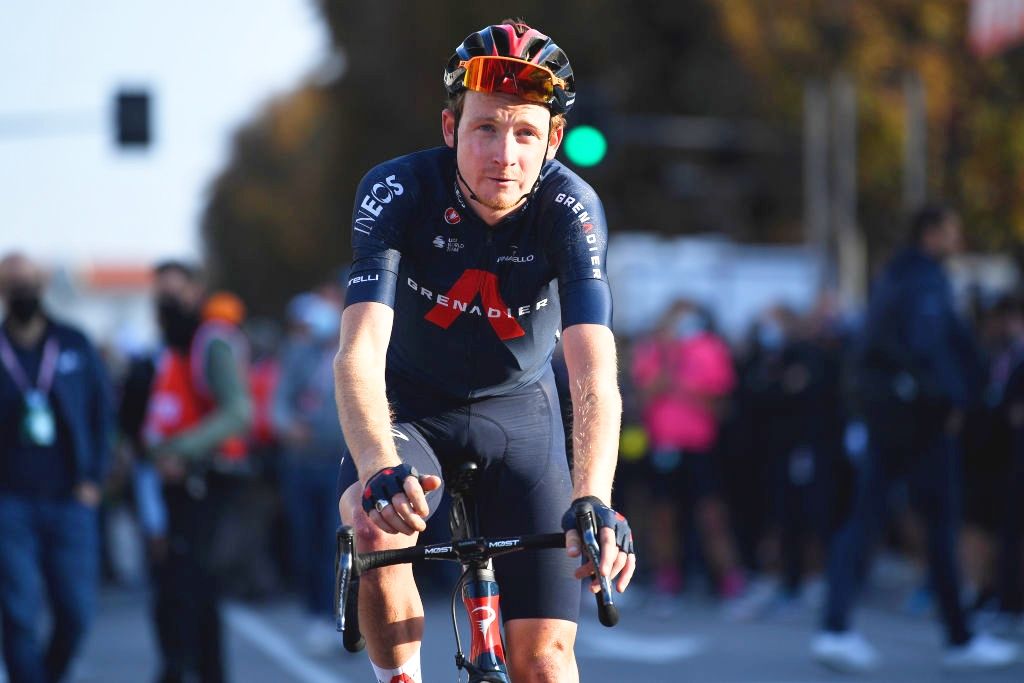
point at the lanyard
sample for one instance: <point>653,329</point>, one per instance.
<point>47,368</point>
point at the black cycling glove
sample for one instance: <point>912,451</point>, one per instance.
<point>385,484</point>
<point>604,516</point>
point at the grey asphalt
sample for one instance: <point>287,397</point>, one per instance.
<point>689,639</point>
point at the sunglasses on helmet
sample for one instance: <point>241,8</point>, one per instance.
<point>532,82</point>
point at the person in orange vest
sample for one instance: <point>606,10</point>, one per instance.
<point>198,417</point>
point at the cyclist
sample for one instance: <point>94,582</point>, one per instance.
<point>469,261</point>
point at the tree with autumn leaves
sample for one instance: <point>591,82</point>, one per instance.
<point>975,136</point>
<point>277,217</point>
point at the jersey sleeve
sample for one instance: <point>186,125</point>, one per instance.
<point>579,250</point>
<point>382,208</point>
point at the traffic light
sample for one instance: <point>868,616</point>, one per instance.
<point>132,118</point>
<point>585,146</point>
<point>590,133</point>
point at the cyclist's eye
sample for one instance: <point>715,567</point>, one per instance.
<point>486,127</point>
<point>528,132</point>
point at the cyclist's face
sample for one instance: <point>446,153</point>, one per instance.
<point>503,142</point>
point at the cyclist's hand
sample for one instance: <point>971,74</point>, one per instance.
<point>617,555</point>
<point>395,500</point>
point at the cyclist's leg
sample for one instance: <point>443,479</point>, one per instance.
<point>390,610</point>
<point>525,488</point>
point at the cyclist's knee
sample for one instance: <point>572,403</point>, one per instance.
<point>547,662</point>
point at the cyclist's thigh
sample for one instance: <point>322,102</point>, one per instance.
<point>412,449</point>
<point>525,489</point>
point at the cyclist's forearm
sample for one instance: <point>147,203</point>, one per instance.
<point>363,409</point>
<point>597,410</point>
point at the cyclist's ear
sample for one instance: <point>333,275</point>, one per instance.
<point>555,139</point>
<point>448,124</point>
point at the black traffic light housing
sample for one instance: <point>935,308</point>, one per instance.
<point>133,118</point>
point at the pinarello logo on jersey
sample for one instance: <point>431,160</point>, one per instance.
<point>451,216</point>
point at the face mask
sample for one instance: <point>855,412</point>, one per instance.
<point>177,323</point>
<point>23,304</point>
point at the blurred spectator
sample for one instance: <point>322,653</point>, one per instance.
<point>682,373</point>
<point>305,419</point>
<point>791,395</point>
<point>56,424</point>
<point>123,528</point>
<point>264,369</point>
<point>987,450</point>
<point>916,383</point>
<point>199,412</point>
<point>1010,401</point>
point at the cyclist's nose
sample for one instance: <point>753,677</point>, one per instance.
<point>504,150</point>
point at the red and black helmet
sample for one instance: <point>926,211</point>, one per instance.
<point>518,41</point>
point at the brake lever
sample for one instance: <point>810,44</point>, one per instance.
<point>607,613</point>
<point>342,574</point>
<point>346,596</point>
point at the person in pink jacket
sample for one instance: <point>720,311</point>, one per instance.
<point>683,373</point>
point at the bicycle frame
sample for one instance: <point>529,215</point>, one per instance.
<point>480,594</point>
<point>481,599</point>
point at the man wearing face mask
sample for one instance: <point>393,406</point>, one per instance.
<point>199,412</point>
<point>305,419</point>
<point>55,428</point>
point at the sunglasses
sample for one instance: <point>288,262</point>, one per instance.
<point>511,76</point>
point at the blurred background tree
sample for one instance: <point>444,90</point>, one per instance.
<point>277,217</point>
<point>974,122</point>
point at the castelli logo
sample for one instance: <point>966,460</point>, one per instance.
<point>451,216</point>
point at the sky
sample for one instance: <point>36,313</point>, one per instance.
<point>68,194</point>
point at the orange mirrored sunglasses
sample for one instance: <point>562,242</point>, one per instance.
<point>530,81</point>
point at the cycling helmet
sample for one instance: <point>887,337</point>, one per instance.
<point>518,41</point>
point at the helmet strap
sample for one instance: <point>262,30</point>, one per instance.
<point>458,172</point>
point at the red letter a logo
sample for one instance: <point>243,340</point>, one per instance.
<point>464,291</point>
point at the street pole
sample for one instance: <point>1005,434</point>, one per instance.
<point>850,247</point>
<point>816,186</point>
<point>915,145</point>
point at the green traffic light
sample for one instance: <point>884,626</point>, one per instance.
<point>585,146</point>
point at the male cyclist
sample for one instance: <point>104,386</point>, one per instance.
<point>469,261</point>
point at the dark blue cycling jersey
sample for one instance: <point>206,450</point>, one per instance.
<point>478,308</point>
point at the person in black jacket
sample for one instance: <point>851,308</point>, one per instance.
<point>918,373</point>
<point>56,422</point>
<point>1009,493</point>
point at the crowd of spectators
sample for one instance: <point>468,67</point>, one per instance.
<point>779,462</point>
